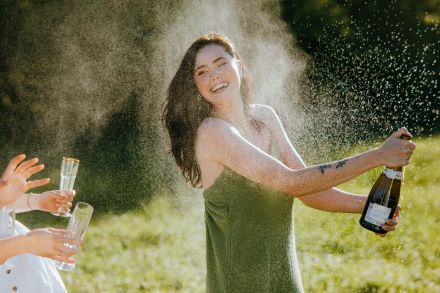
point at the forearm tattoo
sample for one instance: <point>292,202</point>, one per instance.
<point>339,164</point>
<point>323,167</point>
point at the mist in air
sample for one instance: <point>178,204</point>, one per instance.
<point>87,79</point>
<point>94,77</point>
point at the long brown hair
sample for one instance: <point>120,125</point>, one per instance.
<point>185,109</point>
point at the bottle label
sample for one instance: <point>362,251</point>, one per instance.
<point>377,214</point>
<point>392,174</point>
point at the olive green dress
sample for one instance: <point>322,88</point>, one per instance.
<point>249,238</point>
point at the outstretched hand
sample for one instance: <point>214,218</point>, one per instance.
<point>390,224</point>
<point>13,182</point>
<point>49,243</point>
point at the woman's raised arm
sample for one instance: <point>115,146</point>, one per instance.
<point>220,142</point>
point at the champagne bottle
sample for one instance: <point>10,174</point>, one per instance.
<point>383,199</point>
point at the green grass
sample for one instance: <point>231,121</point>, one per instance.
<point>337,255</point>
<point>160,247</point>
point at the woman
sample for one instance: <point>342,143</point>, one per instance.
<point>24,263</point>
<point>223,144</point>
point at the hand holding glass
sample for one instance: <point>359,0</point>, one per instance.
<point>76,229</point>
<point>69,168</point>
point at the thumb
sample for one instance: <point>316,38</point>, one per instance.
<point>400,132</point>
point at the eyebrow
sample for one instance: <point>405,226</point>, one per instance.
<point>216,60</point>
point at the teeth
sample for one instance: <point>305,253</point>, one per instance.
<point>219,86</point>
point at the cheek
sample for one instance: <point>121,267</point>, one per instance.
<point>201,85</point>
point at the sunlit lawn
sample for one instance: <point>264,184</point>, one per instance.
<point>160,247</point>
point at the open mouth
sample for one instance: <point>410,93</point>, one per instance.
<point>219,87</point>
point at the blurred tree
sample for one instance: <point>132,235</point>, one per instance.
<point>74,80</point>
<point>111,174</point>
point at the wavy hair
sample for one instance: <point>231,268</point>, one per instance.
<point>185,109</point>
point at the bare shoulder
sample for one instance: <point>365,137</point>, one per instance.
<point>213,127</point>
<point>213,135</point>
<point>211,132</point>
<point>265,113</point>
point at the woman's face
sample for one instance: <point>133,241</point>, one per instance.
<point>216,74</point>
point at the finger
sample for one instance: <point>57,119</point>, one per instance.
<point>64,209</point>
<point>14,162</point>
<point>410,144</point>
<point>61,202</point>
<point>38,183</point>
<point>65,192</point>
<point>76,242</point>
<point>67,206</point>
<point>62,258</point>
<point>399,132</point>
<point>61,232</point>
<point>396,215</point>
<point>391,222</point>
<point>33,170</point>
<point>62,199</point>
<point>66,251</point>
<point>388,228</point>
<point>24,166</point>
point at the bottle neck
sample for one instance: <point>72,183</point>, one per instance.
<point>394,173</point>
<point>398,169</point>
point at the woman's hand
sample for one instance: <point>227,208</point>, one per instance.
<point>13,182</point>
<point>49,243</point>
<point>395,151</point>
<point>54,201</point>
<point>390,224</point>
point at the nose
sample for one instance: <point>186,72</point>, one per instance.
<point>215,75</point>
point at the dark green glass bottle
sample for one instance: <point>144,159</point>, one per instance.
<point>383,198</point>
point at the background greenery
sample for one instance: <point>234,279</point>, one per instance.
<point>160,246</point>
<point>87,79</point>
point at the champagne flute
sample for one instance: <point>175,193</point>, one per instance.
<point>76,229</point>
<point>69,168</point>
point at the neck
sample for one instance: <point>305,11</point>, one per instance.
<point>233,113</point>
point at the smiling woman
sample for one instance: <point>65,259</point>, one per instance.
<point>223,143</point>
<point>186,107</point>
<point>216,74</point>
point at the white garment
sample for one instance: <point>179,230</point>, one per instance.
<point>29,273</point>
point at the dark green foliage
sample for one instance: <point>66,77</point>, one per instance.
<point>111,176</point>
<point>375,61</point>
<point>75,81</point>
